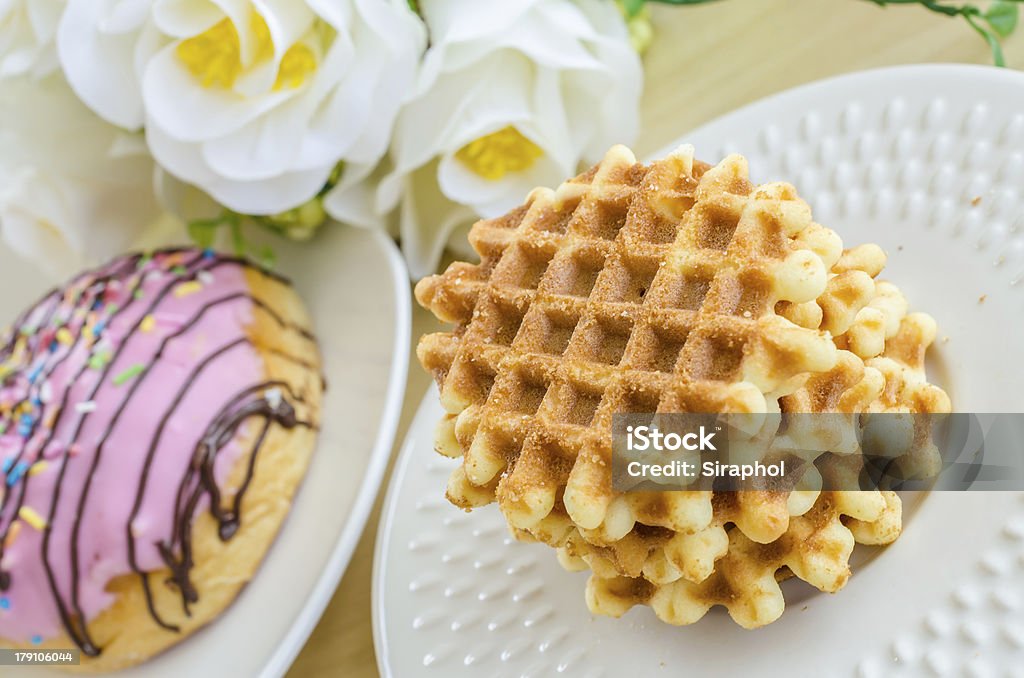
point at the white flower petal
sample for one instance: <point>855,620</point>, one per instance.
<point>126,16</point>
<point>34,237</point>
<point>427,220</point>
<point>264,147</point>
<point>463,106</point>
<point>467,21</point>
<point>100,67</point>
<point>181,19</point>
<point>287,21</point>
<point>562,72</point>
<point>352,201</point>
<point>27,30</point>
<point>186,111</point>
<point>267,196</point>
<point>76,190</point>
<point>255,147</point>
<point>491,198</point>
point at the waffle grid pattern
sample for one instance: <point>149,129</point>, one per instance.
<point>674,287</point>
<point>629,289</point>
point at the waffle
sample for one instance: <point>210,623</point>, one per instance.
<point>681,575</point>
<point>630,288</point>
<point>848,387</point>
<point>815,548</point>
<point>663,556</point>
<point>894,381</point>
<point>674,287</point>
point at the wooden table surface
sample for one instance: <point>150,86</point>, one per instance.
<point>705,61</point>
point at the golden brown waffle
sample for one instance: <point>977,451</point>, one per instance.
<point>664,556</point>
<point>892,382</point>
<point>763,516</point>
<point>671,288</point>
<point>631,288</point>
<point>816,548</point>
<point>681,574</point>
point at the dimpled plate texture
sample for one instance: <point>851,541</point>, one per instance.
<point>928,162</point>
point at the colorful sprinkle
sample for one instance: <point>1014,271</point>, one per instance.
<point>5,603</point>
<point>179,270</point>
<point>205,277</point>
<point>13,530</point>
<point>273,397</point>
<point>147,324</point>
<point>185,289</point>
<point>139,294</point>
<point>16,474</point>
<point>98,360</point>
<point>38,468</point>
<point>36,371</point>
<point>86,407</point>
<point>6,465</point>
<point>37,640</point>
<point>34,520</point>
<point>129,374</point>
<point>209,254</point>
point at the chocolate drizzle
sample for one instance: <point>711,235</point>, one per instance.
<point>199,479</point>
<point>268,402</point>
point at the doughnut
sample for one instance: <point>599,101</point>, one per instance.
<point>157,415</point>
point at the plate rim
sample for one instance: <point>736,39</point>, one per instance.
<point>292,643</point>
<point>380,547</point>
<point>977,71</point>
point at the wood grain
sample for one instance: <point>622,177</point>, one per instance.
<point>705,61</point>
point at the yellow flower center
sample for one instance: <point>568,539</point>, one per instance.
<point>296,64</point>
<point>496,154</point>
<point>214,56</point>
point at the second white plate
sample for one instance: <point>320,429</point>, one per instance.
<point>927,161</point>
<point>356,288</point>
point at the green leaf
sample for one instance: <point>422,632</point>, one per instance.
<point>203,232</point>
<point>1002,17</point>
<point>237,238</point>
<point>993,41</point>
<point>632,7</point>
<point>267,257</point>
<point>683,2</point>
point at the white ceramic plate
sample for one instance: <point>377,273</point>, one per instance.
<point>927,161</point>
<point>357,290</point>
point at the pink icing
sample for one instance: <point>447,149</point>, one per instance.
<point>28,609</point>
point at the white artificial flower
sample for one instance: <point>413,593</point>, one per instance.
<point>511,95</point>
<point>27,31</point>
<point>255,102</point>
<point>74,190</point>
